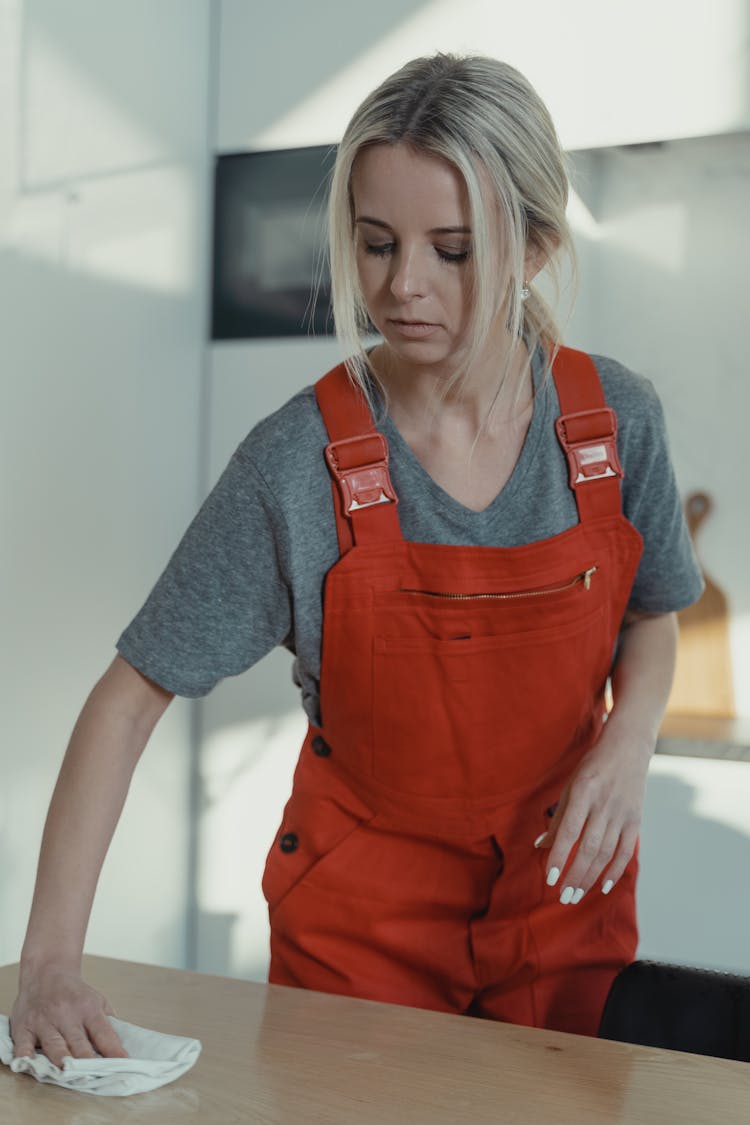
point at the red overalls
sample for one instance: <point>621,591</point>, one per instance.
<point>460,687</point>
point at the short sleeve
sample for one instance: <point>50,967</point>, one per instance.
<point>223,601</point>
<point>669,577</point>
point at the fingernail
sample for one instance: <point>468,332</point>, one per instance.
<point>607,887</point>
<point>567,895</point>
<point>552,876</point>
<point>578,896</point>
<point>539,839</point>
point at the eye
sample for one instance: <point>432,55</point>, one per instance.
<point>452,255</point>
<point>379,249</point>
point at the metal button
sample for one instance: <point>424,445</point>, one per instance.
<point>320,747</point>
<point>289,842</point>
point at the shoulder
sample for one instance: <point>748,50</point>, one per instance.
<point>641,426</point>
<point>629,394</point>
<point>642,438</point>
<point>278,476</point>
<point>298,420</point>
<point>634,399</point>
<point>286,447</point>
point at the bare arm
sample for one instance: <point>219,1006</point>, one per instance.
<point>601,808</point>
<point>54,1008</point>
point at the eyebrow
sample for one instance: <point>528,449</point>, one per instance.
<point>386,226</point>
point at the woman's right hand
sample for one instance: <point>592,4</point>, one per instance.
<point>58,1013</point>
<point>55,1009</point>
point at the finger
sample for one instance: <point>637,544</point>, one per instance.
<point>622,857</point>
<point>24,1042</point>
<point>582,875</point>
<point>54,1045</point>
<point>79,1045</point>
<point>105,1038</point>
<point>566,831</point>
<point>588,849</point>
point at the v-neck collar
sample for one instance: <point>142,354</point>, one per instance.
<point>540,418</point>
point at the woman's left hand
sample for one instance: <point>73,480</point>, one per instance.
<point>595,826</point>
<point>594,830</point>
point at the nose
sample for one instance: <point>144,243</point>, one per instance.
<point>408,278</point>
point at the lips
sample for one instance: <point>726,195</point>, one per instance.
<point>414,328</point>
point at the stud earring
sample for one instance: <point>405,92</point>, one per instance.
<point>525,292</point>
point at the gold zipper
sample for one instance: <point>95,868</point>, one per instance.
<point>584,578</point>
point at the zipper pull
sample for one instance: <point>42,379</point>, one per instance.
<point>587,577</point>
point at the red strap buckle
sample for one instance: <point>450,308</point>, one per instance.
<point>360,465</point>
<point>589,440</point>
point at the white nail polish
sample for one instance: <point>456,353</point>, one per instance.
<point>607,887</point>
<point>539,839</point>
<point>552,876</point>
<point>578,896</point>
<point>567,895</point>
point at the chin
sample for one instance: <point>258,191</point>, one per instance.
<point>429,353</point>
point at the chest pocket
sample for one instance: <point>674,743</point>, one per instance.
<point>482,694</point>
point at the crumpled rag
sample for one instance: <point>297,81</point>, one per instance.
<point>155,1059</point>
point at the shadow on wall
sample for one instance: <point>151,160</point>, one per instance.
<point>88,105</point>
<point>692,895</point>
<point>100,473</point>
<point>342,33</point>
<point>94,366</point>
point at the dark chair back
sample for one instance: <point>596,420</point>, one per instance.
<point>680,1008</point>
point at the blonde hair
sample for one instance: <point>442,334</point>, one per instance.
<point>485,119</point>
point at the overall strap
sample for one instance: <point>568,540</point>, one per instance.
<point>364,499</point>
<point>587,431</point>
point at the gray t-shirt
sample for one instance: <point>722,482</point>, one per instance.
<point>248,574</point>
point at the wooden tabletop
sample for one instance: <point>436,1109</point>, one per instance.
<point>282,1056</point>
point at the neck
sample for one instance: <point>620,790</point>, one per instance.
<point>497,392</point>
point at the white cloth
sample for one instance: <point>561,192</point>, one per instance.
<point>155,1059</point>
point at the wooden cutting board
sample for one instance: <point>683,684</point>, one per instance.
<point>703,676</point>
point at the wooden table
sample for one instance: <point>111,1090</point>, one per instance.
<point>279,1055</point>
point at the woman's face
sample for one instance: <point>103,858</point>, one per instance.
<point>413,246</point>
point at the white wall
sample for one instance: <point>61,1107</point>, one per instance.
<point>662,237</point>
<point>103,211</point>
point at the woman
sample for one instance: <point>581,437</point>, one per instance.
<point>463,825</point>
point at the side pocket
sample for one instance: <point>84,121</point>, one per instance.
<point>312,829</point>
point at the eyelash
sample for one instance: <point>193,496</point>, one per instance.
<point>383,249</point>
